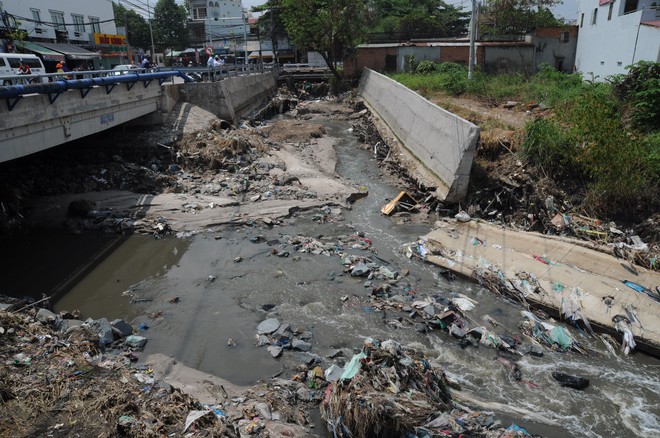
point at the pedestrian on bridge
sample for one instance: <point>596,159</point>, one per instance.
<point>23,68</point>
<point>62,68</point>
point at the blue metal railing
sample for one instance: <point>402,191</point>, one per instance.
<point>88,80</point>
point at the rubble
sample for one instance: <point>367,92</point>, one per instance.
<point>388,390</point>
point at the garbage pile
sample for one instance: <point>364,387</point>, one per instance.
<point>387,390</point>
<point>65,377</point>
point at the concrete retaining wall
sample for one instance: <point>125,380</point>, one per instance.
<point>231,98</point>
<point>35,124</point>
<point>440,141</point>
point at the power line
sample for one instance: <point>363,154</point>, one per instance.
<point>55,24</point>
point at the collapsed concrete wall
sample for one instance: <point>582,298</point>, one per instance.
<point>441,142</point>
<point>232,97</point>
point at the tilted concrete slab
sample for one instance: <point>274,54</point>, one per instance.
<point>443,143</point>
<point>566,269</point>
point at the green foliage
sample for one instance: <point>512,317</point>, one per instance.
<point>517,17</point>
<point>431,77</point>
<point>426,67</point>
<point>169,25</point>
<point>639,92</point>
<point>586,138</point>
<point>623,167</point>
<point>324,26</point>
<point>138,28</point>
<point>415,16</point>
<point>547,145</point>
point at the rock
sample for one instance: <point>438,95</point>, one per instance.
<point>262,340</point>
<point>306,335</point>
<point>268,326</point>
<point>420,327</point>
<point>275,351</point>
<point>301,345</point>
<point>122,327</point>
<point>283,332</point>
<point>569,381</point>
<point>335,353</point>
<point>360,270</point>
<point>104,330</point>
<point>264,410</point>
<point>136,341</point>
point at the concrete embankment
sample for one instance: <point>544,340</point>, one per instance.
<point>441,143</point>
<point>230,98</point>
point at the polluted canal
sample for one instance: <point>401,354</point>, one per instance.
<point>200,296</point>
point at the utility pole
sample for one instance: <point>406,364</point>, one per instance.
<point>473,26</point>
<point>245,21</point>
<point>151,32</point>
<point>128,45</point>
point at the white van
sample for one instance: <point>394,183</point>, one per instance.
<point>9,63</point>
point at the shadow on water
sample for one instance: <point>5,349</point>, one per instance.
<point>47,261</point>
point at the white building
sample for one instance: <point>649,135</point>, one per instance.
<point>616,33</point>
<point>61,21</point>
<point>224,20</point>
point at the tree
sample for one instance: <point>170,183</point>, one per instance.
<point>169,25</point>
<point>330,27</point>
<point>517,17</point>
<point>138,28</point>
<point>416,18</point>
<point>270,22</point>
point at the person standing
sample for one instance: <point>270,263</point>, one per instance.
<point>24,69</point>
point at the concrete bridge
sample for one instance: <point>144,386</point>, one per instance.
<point>44,114</point>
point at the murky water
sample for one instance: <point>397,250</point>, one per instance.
<point>306,291</point>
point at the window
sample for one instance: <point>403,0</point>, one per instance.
<point>199,13</point>
<point>78,22</point>
<point>94,22</point>
<point>582,20</point>
<point>609,11</point>
<point>58,19</point>
<point>36,16</point>
<point>594,16</point>
<point>563,37</point>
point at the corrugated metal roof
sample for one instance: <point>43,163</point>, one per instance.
<point>655,23</point>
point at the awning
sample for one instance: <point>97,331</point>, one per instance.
<point>173,54</point>
<point>46,54</point>
<point>269,54</point>
<point>70,51</point>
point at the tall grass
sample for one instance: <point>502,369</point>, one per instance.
<point>587,136</point>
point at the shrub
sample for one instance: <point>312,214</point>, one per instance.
<point>426,67</point>
<point>639,92</point>
<point>547,145</point>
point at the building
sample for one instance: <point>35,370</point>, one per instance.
<point>615,34</point>
<point>80,32</point>
<point>224,22</point>
<point>552,46</point>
